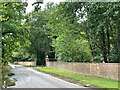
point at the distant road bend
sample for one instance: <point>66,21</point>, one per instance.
<point>29,78</point>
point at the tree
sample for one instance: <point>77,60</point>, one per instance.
<point>69,45</point>
<point>104,27</point>
<point>39,37</point>
<point>13,31</point>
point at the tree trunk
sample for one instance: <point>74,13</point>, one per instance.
<point>118,41</point>
<point>92,50</point>
<point>42,56</point>
<point>103,46</point>
<point>108,43</point>
<point>90,44</point>
<point>37,62</point>
<point>41,59</point>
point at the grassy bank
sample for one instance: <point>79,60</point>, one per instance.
<point>6,74</point>
<point>84,79</point>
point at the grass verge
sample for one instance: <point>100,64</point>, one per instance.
<point>6,74</point>
<point>10,82</point>
<point>84,79</point>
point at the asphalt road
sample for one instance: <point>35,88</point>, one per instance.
<point>29,78</point>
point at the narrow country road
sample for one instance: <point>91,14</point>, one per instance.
<point>29,78</point>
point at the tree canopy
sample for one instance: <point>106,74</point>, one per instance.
<point>39,36</point>
<point>94,23</point>
<point>13,30</point>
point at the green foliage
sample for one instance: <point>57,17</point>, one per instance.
<point>9,82</point>
<point>39,37</point>
<point>101,27</point>
<point>69,45</point>
<point>21,55</point>
<point>13,30</point>
<point>6,81</point>
<point>96,23</point>
<point>72,50</point>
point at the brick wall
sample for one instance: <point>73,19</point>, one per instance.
<point>27,63</point>
<point>107,70</point>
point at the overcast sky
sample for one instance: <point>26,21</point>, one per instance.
<point>30,2</point>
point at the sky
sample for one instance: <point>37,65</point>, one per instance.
<point>30,8</point>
